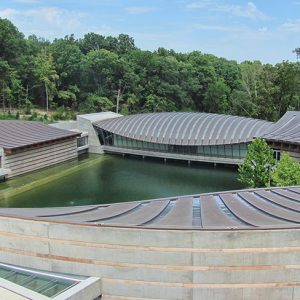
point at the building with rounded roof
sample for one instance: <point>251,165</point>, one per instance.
<point>192,136</point>
<point>228,245</point>
<point>223,245</point>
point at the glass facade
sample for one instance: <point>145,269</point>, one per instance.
<point>82,141</point>
<point>236,151</point>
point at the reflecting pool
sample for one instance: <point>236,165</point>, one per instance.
<point>116,179</point>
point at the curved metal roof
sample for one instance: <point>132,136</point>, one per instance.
<point>181,128</point>
<point>287,129</point>
<point>17,134</point>
<point>244,209</point>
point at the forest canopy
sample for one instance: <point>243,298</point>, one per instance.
<point>91,73</point>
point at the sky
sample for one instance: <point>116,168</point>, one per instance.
<point>265,30</point>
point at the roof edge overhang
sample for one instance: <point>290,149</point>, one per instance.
<point>11,150</point>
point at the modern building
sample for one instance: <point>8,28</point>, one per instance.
<point>84,124</point>
<point>285,135</point>
<point>189,136</point>
<point>227,245</point>
<point>223,245</point>
<point>205,137</point>
<point>27,146</point>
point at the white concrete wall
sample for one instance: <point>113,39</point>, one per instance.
<point>85,123</point>
<point>67,125</point>
<point>161,264</point>
<point>39,157</point>
<point>94,143</point>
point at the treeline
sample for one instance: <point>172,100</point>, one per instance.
<point>92,73</point>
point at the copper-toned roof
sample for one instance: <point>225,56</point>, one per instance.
<point>18,134</point>
<point>244,209</point>
<point>181,128</point>
<point>287,129</point>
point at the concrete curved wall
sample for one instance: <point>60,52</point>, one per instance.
<point>161,264</point>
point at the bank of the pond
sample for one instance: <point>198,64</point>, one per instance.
<point>108,179</point>
<point>32,180</point>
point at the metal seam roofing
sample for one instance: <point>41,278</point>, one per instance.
<point>189,129</point>
<point>250,209</point>
<point>286,129</point>
<point>16,134</point>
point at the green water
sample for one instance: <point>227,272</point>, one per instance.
<point>116,179</point>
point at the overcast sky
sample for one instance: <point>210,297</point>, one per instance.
<point>266,30</point>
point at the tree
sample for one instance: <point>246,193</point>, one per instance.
<point>297,51</point>
<point>287,172</point>
<point>258,164</point>
<point>287,81</point>
<point>46,74</point>
<point>12,42</point>
<point>10,86</point>
<point>216,97</point>
<point>95,103</point>
<point>125,43</point>
<point>100,71</point>
<point>157,104</point>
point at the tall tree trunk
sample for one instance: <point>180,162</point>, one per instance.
<point>3,93</point>
<point>118,100</point>
<point>27,92</point>
<point>47,98</point>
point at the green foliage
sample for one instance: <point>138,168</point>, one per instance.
<point>12,42</point>
<point>28,107</point>
<point>95,103</point>
<point>216,97</point>
<point>60,114</point>
<point>258,164</point>
<point>46,75</point>
<point>287,172</point>
<point>90,73</point>
<point>8,116</point>
<point>297,51</point>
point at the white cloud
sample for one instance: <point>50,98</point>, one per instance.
<point>249,11</point>
<point>47,22</point>
<point>292,25</point>
<point>8,13</point>
<point>136,10</point>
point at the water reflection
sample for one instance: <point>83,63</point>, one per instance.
<point>115,179</point>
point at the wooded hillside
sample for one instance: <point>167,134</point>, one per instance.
<point>89,74</point>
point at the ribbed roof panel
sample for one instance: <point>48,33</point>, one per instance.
<point>286,130</point>
<point>181,128</point>
<point>17,134</point>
